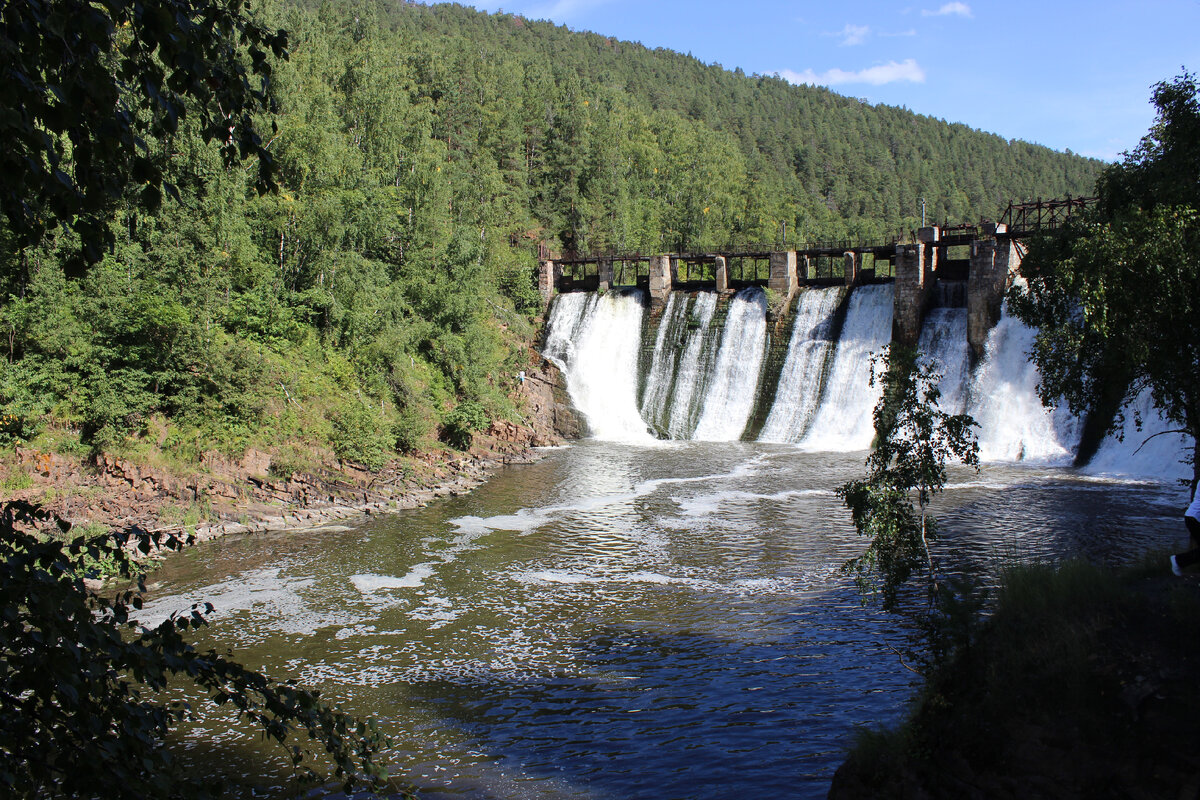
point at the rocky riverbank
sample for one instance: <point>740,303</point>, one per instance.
<point>254,493</point>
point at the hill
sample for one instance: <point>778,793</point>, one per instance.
<point>384,299</point>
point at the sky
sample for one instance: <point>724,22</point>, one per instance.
<point>1066,74</point>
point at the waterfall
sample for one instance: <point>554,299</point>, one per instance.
<point>844,421</point>
<point>1013,423</point>
<point>678,379</point>
<point>944,345</point>
<point>703,380</point>
<point>729,398</point>
<point>594,340</point>
<point>1150,452</point>
<point>804,370</point>
<point>667,346</point>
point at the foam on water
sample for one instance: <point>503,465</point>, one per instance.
<point>1013,423</point>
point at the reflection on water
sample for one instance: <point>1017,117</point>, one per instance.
<point>620,621</point>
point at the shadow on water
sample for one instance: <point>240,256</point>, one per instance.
<point>618,623</point>
<point>685,714</point>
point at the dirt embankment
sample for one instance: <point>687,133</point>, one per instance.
<point>226,496</point>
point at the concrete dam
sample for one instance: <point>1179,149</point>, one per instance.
<point>791,362</point>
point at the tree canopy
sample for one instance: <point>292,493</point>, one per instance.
<point>421,153</point>
<point>89,86</point>
<point>1115,294</point>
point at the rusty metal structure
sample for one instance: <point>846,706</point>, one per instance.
<point>1041,214</point>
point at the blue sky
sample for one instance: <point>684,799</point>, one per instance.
<point>1068,75</point>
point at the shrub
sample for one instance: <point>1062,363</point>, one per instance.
<point>359,436</point>
<point>460,424</point>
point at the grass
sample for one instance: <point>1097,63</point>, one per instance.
<point>1083,681</point>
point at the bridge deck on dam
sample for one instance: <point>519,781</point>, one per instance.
<point>983,257</point>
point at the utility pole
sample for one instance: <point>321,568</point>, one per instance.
<point>922,212</point>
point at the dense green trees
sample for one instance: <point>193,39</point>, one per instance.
<point>420,155</point>
<point>1116,294</point>
<point>88,87</point>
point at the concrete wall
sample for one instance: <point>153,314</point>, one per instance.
<point>994,262</point>
<point>783,274</point>
<point>661,279</point>
<point>722,273</point>
<point>547,279</point>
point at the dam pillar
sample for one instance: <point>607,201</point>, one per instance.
<point>850,268</point>
<point>722,273</point>
<point>804,269</point>
<point>913,288</point>
<point>548,273</point>
<point>993,264</point>
<point>783,273</point>
<point>660,280</point>
<point>604,271</point>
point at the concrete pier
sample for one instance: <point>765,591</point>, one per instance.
<point>604,270</point>
<point>916,265</point>
<point>850,268</point>
<point>994,262</point>
<point>721,271</point>
<point>783,274</point>
<point>661,280</point>
<point>548,274</point>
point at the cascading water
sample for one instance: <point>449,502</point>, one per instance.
<point>1154,451</point>
<point>1013,423</point>
<point>730,397</point>
<point>703,379</point>
<point>844,420</point>
<point>594,340</point>
<point>803,372</point>
<point>943,344</point>
<point>667,347</point>
<point>677,382</point>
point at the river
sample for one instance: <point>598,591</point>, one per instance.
<point>621,621</point>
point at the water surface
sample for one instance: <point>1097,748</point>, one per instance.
<point>622,621</point>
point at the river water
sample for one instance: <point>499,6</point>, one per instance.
<point>621,621</point>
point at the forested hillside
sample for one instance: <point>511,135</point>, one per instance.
<point>385,292</point>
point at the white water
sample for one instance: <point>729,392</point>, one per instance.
<point>1150,452</point>
<point>1013,423</point>
<point>944,344</point>
<point>730,397</point>
<point>704,379</point>
<point>594,340</point>
<point>844,421</point>
<point>695,367</point>
<point>666,358</point>
<point>800,380</point>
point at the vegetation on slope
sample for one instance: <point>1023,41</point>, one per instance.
<point>386,290</point>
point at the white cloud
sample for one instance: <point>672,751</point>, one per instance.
<point>852,34</point>
<point>961,9</point>
<point>892,72</point>
<point>909,32</point>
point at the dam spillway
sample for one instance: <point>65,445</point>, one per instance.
<point>700,370</point>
